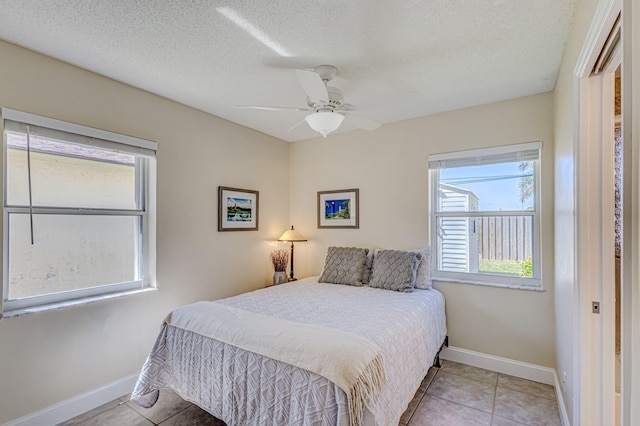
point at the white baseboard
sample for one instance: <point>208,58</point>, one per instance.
<point>77,405</point>
<point>501,365</point>
<point>511,367</point>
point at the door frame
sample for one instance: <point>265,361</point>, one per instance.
<point>594,337</point>
<point>593,369</point>
<point>631,248</point>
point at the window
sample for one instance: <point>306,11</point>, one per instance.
<point>77,204</point>
<point>485,218</point>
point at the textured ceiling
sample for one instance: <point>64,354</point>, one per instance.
<point>395,59</point>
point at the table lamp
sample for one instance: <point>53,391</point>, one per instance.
<point>291,235</point>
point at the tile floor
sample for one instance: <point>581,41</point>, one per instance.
<point>455,394</point>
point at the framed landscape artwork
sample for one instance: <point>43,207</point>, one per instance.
<point>338,209</point>
<point>237,209</point>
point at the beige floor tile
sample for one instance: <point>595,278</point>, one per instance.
<point>499,421</point>
<point>193,416</point>
<point>167,406</point>
<point>120,415</point>
<point>434,411</point>
<point>462,390</point>
<point>89,414</point>
<point>526,386</point>
<point>525,408</point>
<point>469,372</point>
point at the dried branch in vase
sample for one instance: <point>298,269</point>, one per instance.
<point>280,259</point>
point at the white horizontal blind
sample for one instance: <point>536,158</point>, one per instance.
<point>505,154</point>
<point>56,130</point>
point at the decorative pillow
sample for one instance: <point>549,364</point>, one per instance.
<point>423,274</point>
<point>344,265</point>
<point>395,270</point>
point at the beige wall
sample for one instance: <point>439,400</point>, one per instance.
<point>389,166</point>
<point>48,357</point>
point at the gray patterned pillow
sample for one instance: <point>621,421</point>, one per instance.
<point>344,265</point>
<point>423,274</point>
<point>395,270</point>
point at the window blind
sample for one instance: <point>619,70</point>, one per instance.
<point>56,130</point>
<point>512,153</point>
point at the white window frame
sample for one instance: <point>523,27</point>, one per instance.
<point>145,167</point>
<point>493,155</point>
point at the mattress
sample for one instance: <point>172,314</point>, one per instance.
<point>245,388</point>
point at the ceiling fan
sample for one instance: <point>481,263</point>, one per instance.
<point>325,103</point>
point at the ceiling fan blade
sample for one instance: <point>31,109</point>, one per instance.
<point>296,125</point>
<point>271,108</point>
<point>345,108</point>
<point>361,122</point>
<point>313,85</point>
<point>390,101</point>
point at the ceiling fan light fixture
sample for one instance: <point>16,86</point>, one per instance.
<point>324,122</point>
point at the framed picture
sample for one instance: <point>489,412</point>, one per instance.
<point>237,209</point>
<point>338,209</point>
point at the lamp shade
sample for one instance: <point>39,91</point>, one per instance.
<point>292,235</point>
<point>324,122</point>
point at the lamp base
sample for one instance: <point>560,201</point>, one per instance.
<point>292,279</point>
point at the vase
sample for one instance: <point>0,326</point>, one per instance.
<point>279,277</point>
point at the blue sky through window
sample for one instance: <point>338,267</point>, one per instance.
<point>496,185</point>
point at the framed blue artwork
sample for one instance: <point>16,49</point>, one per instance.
<point>338,209</point>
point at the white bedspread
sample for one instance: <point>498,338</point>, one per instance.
<point>346,359</point>
<point>244,388</point>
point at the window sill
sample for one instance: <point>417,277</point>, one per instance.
<point>489,284</point>
<point>82,301</point>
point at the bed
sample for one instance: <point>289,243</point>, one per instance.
<point>243,385</point>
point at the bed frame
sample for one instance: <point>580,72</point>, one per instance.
<point>436,361</point>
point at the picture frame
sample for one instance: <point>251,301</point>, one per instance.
<point>339,208</point>
<point>238,209</point>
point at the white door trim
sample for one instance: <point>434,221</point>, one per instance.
<point>593,372</point>
<point>631,246</point>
